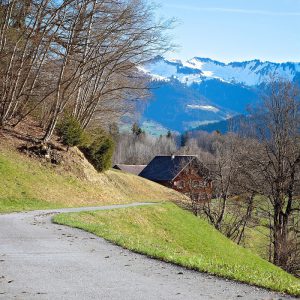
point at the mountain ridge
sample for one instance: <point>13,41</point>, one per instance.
<point>202,91</point>
<point>250,73</point>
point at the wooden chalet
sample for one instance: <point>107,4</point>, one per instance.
<point>183,173</point>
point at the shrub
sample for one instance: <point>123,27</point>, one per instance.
<point>71,132</point>
<point>100,151</point>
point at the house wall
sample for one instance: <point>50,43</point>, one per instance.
<point>192,184</point>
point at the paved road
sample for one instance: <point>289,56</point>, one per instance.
<point>41,260</point>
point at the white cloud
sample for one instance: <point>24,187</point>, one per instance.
<point>203,107</point>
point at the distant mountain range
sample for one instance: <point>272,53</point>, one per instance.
<point>203,92</point>
<point>197,70</point>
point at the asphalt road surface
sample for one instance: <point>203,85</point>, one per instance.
<point>41,260</point>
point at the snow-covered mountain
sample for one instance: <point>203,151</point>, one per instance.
<point>197,69</point>
<point>203,91</point>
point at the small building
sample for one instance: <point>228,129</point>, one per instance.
<point>183,173</point>
<point>133,169</point>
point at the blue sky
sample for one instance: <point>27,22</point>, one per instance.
<point>235,30</point>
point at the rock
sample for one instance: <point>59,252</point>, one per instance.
<point>43,151</point>
<point>56,157</point>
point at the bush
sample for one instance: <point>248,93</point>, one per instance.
<point>100,151</point>
<point>71,132</point>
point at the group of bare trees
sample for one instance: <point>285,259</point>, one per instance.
<point>74,56</point>
<point>270,166</point>
<point>232,206</point>
<point>256,174</point>
<point>141,149</point>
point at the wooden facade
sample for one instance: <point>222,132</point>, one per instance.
<point>193,184</point>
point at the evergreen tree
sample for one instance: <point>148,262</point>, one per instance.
<point>169,134</point>
<point>136,129</point>
<point>100,151</point>
<point>184,139</point>
<point>70,131</point>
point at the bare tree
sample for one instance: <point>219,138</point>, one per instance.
<point>27,29</point>
<point>271,165</point>
<point>141,149</point>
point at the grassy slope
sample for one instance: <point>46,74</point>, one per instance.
<point>174,235</point>
<point>27,184</point>
<point>256,233</point>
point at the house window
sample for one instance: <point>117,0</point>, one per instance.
<point>204,184</point>
<point>180,184</point>
<point>195,184</point>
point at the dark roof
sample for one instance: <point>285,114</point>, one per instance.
<point>166,168</point>
<point>133,169</point>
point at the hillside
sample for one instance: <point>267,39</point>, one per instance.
<point>28,183</point>
<point>174,235</point>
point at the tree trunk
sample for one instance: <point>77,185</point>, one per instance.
<point>246,219</point>
<point>220,219</point>
<point>280,256</point>
<point>50,129</point>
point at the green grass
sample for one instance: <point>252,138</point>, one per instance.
<point>256,235</point>
<point>256,239</point>
<point>174,235</point>
<point>29,184</point>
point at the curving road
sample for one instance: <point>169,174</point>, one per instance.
<point>41,260</point>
